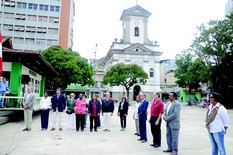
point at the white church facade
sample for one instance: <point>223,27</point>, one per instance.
<point>135,48</point>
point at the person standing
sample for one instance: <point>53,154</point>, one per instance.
<point>172,117</point>
<point>142,115</point>
<point>94,108</point>
<point>217,122</point>
<point>28,102</point>
<point>107,110</point>
<point>70,111</point>
<point>80,111</point>
<point>156,112</point>
<point>58,106</point>
<point>45,105</point>
<point>3,88</point>
<point>123,112</point>
<point>135,115</point>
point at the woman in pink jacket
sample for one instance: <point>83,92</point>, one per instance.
<point>80,111</point>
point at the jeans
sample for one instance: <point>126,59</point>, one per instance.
<point>217,142</point>
<point>2,93</point>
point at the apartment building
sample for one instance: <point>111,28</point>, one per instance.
<point>34,24</point>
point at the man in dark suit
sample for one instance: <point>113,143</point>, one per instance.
<point>172,117</point>
<point>28,102</point>
<point>58,105</point>
<point>142,115</point>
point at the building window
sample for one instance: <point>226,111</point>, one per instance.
<point>136,31</point>
<point>8,15</point>
<point>52,30</point>
<point>21,5</point>
<point>151,72</point>
<point>8,27</point>
<point>32,6</point>
<point>51,42</point>
<point>18,40</point>
<point>31,29</point>
<point>57,8</point>
<point>52,8</point>
<point>19,28</point>
<point>53,19</point>
<point>44,7</point>
<point>32,17</point>
<point>29,41</point>
<point>40,42</point>
<point>41,30</point>
<point>42,18</point>
<point>20,16</point>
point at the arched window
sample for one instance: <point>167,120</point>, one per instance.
<point>136,31</point>
<point>151,72</point>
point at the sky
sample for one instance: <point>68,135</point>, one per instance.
<point>172,24</point>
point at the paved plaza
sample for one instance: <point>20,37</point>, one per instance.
<point>194,139</point>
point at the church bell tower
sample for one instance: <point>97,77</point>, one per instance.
<point>134,25</point>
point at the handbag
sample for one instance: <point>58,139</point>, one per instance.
<point>68,111</point>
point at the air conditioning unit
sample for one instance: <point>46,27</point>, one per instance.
<point>56,20</point>
<point>16,28</point>
<point>38,30</point>
<point>7,3</point>
<point>28,30</point>
<point>33,30</point>
<point>23,17</point>
<point>44,31</point>
<point>12,4</point>
<point>21,29</point>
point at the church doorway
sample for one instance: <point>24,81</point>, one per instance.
<point>136,91</point>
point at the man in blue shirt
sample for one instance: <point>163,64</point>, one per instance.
<point>3,88</point>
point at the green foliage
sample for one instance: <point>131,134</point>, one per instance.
<point>125,75</point>
<point>72,68</point>
<point>190,73</point>
<point>214,45</point>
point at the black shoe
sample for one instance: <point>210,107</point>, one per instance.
<point>156,145</point>
<point>29,129</point>
<point>91,130</point>
<point>95,130</point>
<point>167,150</point>
<point>105,130</point>
<point>82,130</point>
<point>152,144</point>
<point>136,134</point>
<point>143,141</point>
<point>139,139</point>
<point>26,129</point>
<point>77,130</point>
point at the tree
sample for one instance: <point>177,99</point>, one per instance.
<point>214,45</point>
<point>125,75</point>
<point>191,71</point>
<point>72,68</point>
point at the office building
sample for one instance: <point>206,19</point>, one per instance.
<point>36,24</point>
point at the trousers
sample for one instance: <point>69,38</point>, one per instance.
<point>28,118</point>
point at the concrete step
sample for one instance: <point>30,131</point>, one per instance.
<point>4,120</point>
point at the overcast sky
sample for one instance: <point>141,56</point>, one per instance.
<point>172,23</point>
